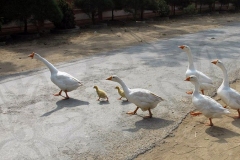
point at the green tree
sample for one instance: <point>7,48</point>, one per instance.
<point>223,2</point>
<point>116,5</point>
<point>181,3</point>
<point>136,6</point>
<point>47,10</point>
<point>210,3</point>
<point>29,10</point>
<point>163,8</point>
<point>68,19</point>
<point>93,7</point>
<point>236,3</point>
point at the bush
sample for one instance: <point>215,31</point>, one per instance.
<point>68,20</point>
<point>163,8</point>
<point>190,9</point>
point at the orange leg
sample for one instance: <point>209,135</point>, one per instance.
<point>195,113</point>
<point>134,112</point>
<point>238,114</point>
<point>211,124</point>
<point>150,114</point>
<point>67,97</point>
<point>58,94</point>
<point>189,92</point>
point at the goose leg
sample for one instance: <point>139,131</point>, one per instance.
<point>238,114</point>
<point>58,94</point>
<point>150,114</point>
<point>134,112</point>
<point>67,97</point>
<point>98,99</point>
<point>211,124</point>
<point>195,113</point>
<point>189,92</point>
<point>202,91</point>
<point>107,98</point>
<point>120,98</point>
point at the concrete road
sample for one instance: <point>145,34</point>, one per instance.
<point>34,124</point>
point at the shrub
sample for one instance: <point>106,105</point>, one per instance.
<point>163,8</point>
<point>68,20</point>
<point>190,9</point>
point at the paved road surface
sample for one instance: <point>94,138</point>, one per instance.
<point>36,125</point>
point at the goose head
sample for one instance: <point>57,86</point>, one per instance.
<point>113,78</point>
<point>192,78</point>
<point>185,48</point>
<point>217,62</point>
<point>31,55</point>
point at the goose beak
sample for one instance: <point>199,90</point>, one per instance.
<point>187,79</point>
<point>31,55</point>
<point>214,61</point>
<point>109,78</point>
<point>181,47</point>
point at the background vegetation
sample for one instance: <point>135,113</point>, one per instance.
<point>61,12</point>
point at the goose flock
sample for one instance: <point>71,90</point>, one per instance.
<point>147,100</point>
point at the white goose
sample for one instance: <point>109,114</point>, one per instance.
<point>205,82</point>
<point>142,98</point>
<point>63,80</point>
<point>208,106</point>
<point>228,95</point>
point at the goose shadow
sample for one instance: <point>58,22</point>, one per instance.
<point>236,122</point>
<point>125,102</point>
<point>66,103</point>
<point>104,102</point>
<point>221,133</point>
<point>150,124</point>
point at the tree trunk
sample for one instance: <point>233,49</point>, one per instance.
<point>174,9</point>
<point>93,17</point>
<point>142,11</point>
<point>112,14</point>
<point>25,25</point>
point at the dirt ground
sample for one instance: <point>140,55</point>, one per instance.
<point>192,139</point>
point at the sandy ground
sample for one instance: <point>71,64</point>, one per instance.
<point>192,139</point>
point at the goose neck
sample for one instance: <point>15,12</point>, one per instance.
<point>190,60</point>
<point>48,64</point>
<point>225,76</point>
<point>124,86</point>
<point>196,89</point>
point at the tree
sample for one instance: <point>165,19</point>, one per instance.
<point>163,8</point>
<point>68,20</point>
<point>236,3</point>
<point>223,2</point>
<point>210,3</point>
<point>181,3</point>
<point>136,6</point>
<point>117,5</point>
<point>30,10</point>
<point>93,7</point>
<point>47,10</point>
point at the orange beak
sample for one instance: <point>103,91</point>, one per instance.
<point>187,79</point>
<point>31,55</point>
<point>181,47</point>
<point>215,61</point>
<point>109,78</point>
